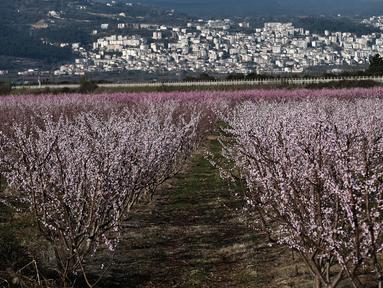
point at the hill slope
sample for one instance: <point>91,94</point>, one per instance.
<point>24,23</point>
<point>271,7</point>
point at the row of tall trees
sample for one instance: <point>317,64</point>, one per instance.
<point>80,175</point>
<point>314,173</point>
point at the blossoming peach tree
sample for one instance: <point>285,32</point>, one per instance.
<point>81,176</point>
<point>314,173</point>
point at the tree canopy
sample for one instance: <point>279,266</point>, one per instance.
<point>376,65</point>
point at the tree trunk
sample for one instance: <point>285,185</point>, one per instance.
<point>317,282</point>
<point>296,265</point>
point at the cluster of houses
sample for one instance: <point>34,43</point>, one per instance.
<point>222,46</point>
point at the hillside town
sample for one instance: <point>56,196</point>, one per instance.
<point>221,46</point>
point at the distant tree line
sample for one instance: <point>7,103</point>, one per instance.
<point>200,77</point>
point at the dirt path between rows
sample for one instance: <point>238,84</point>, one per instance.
<point>191,236</point>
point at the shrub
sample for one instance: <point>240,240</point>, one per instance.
<point>5,87</point>
<point>87,86</point>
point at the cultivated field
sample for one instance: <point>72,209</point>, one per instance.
<point>252,188</point>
